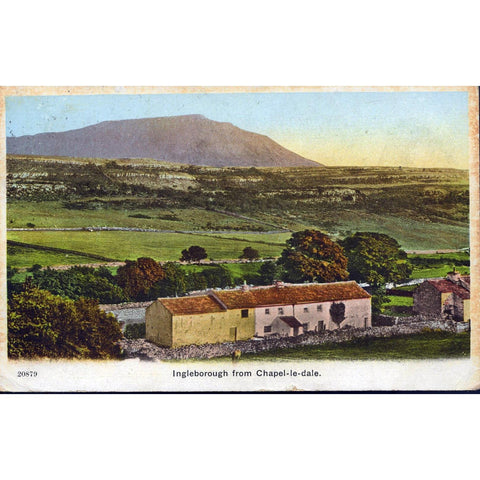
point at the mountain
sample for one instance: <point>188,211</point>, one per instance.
<point>189,139</point>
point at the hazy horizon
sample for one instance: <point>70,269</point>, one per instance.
<point>408,129</point>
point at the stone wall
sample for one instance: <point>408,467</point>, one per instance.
<point>427,300</point>
<point>141,348</point>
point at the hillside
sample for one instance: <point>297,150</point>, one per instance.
<point>421,208</point>
<point>188,139</point>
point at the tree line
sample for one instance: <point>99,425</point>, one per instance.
<point>56,313</point>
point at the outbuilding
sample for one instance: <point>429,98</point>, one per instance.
<point>446,297</point>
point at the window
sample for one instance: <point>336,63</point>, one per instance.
<point>319,308</point>
<point>305,309</point>
<point>245,313</point>
<point>267,329</point>
<point>305,327</point>
<point>267,311</point>
<point>280,310</point>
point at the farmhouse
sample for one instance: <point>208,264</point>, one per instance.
<point>240,314</point>
<point>448,296</point>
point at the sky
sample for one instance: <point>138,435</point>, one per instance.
<point>417,129</point>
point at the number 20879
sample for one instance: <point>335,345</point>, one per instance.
<point>27,373</point>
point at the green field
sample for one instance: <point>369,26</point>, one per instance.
<point>54,214</point>
<point>411,233</point>
<point>20,257</point>
<point>131,245</point>
<point>439,264</point>
<point>428,345</point>
<point>397,301</point>
<point>437,272</point>
<point>422,208</point>
<point>167,247</point>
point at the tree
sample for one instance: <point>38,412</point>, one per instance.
<point>80,281</point>
<point>269,272</point>
<point>218,277</point>
<point>312,256</point>
<point>193,254</point>
<point>41,324</point>
<point>376,258</point>
<point>337,313</point>
<point>379,298</point>
<point>249,253</point>
<point>11,272</point>
<point>139,276</point>
<point>174,282</point>
<point>35,268</point>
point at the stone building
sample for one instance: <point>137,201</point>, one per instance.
<point>282,309</point>
<point>127,313</point>
<point>193,320</point>
<point>448,297</point>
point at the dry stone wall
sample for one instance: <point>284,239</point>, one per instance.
<point>141,348</point>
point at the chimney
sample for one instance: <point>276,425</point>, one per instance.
<point>454,276</point>
<point>279,284</point>
<point>244,286</point>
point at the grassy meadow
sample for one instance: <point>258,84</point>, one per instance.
<point>53,214</point>
<point>423,209</point>
<point>423,346</point>
<point>24,257</point>
<point>131,245</point>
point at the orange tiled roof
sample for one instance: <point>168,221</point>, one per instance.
<point>291,294</point>
<point>191,305</point>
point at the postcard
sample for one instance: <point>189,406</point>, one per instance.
<point>239,239</point>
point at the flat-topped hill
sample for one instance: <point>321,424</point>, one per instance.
<point>187,139</point>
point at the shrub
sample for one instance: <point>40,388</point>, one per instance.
<point>135,330</point>
<point>35,268</point>
<point>41,324</point>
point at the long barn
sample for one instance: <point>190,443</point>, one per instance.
<point>281,309</point>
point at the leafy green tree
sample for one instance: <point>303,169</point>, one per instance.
<point>79,281</point>
<point>41,324</point>
<point>250,253</point>
<point>379,298</point>
<point>195,281</point>
<point>12,285</point>
<point>174,282</point>
<point>139,276</point>
<point>11,272</point>
<point>193,254</point>
<point>218,277</point>
<point>312,256</point>
<point>35,268</point>
<point>376,258</point>
<point>269,272</point>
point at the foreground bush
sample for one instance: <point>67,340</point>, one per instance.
<point>135,330</point>
<point>41,324</point>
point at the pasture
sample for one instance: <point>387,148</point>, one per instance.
<point>132,245</point>
<point>427,345</point>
